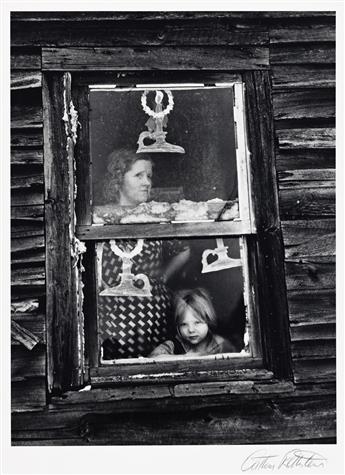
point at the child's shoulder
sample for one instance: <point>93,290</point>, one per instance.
<point>225,346</point>
<point>165,348</point>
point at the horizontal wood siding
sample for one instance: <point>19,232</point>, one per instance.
<point>303,77</point>
<point>298,49</point>
<point>110,32</point>
<point>109,422</point>
<point>28,370</point>
<point>147,58</point>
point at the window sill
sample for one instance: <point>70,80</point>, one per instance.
<point>136,397</point>
<point>180,370</point>
<point>164,230</point>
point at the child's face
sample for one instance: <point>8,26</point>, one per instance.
<point>191,327</point>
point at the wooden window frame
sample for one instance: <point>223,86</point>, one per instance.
<point>65,326</point>
<point>162,370</point>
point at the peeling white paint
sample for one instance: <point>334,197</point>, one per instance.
<point>86,388</point>
<point>65,117</point>
<point>156,375</point>
<point>73,116</point>
<point>79,250</point>
<point>80,246</point>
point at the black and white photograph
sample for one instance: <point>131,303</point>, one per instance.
<point>173,233</point>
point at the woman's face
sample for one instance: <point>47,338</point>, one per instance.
<point>136,185</point>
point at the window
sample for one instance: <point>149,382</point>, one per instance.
<point>193,161</point>
<point>205,159</point>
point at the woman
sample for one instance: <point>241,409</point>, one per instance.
<point>131,325</point>
<point>130,178</point>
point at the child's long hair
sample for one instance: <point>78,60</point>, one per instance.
<point>199,301</point>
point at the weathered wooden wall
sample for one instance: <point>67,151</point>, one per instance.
<point>302,58</point>
<point>302,64</point>
<point>27,229</point>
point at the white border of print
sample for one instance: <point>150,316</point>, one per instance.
<point>172,459</point>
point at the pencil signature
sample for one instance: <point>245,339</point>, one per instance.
<point>295,458</point>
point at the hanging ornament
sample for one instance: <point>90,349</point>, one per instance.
<point>127,285</point>
<point>157,121</point>
<point>222,261</point>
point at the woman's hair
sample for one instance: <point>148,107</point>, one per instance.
<point>119,162</point>
<point>197,300</point>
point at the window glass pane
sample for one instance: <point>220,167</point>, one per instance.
<point>162,155</point>
<point>148,289</point>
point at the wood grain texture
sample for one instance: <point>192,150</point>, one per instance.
<point>23,336</point>
<point>25,306</point>
<point>36,17</point>
<point>27,227</point>
<point>303,203</point>
<point>28,370</point>
<point>25,59</point>
<point>317,347</point>
<point>312,306</point>
<point>137,33</point>
<point>28,180</point>
<point>232,424</point>
<point>118,59</point>
<point>310,274</point>
<point>302,332</point>
<point>305,104</point>
<point>27,138</point>
<point>306,176</point>
<point>28,291</point>
<point>305,33</point>
<point>219,228</point>
<point>129,78</point>
<point>32,196</point>
<point>22,212</point>
<point>62,330</point>
<point>248,389</point>
<point>27,364</point>
<point>303,238</point>
<point>36,257</point>
<point>28,394</point>
<point>303,54</point>
<point>33,322</point>
<point>303,76</point>
<point>214,429</point>
<point>26,116</point>
<point>236,369</point>
<point>26,157</point>
<point>28,275</point>
<point>306,138</point>
<point>299,159</point>
<point>90,305</point>
<point>82,158</point>
<point>25,80</point>
<point>314,370</point>
<point>273,313</point>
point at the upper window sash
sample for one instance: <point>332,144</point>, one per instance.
<point>244,225</point>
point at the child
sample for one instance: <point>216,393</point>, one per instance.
<point>195,319</point>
